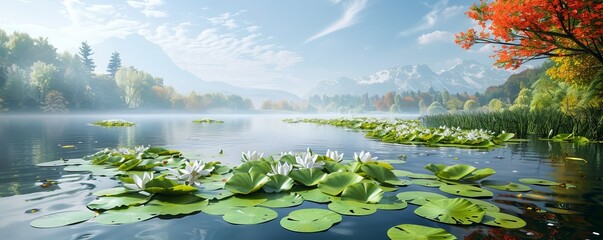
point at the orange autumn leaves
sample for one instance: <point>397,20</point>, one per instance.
<point>569,31</point>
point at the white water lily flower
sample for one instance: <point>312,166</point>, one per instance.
<point>308,160</point>
<point>251,156</point>
<point>191,173</point>
<point>334,155</point>
<point>287,153</point>
<point>280,168</point>
<point>139,183</point>
<point>122,150</point>
<point>140,149</point>
<point>364,157</point>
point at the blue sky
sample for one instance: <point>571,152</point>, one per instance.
<point>263,43</point>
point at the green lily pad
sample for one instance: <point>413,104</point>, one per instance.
<point>208,186</point>
<point>391,202</point>
<point>421,176</point>
<point>218,209</point>
<point>488,207</point>
<point>419,198</point>
<point>176,205</point>
<point>249,215</point>
<point>310,220</point>
<point>110,191</point>
<point>63,162</point>
<point>164,185</point>
<point>537,181</point>
<point>62,219</point>
<point>503,220</point>
<point>352,208</point>
<point>307,177</point>
<point>278,183</point>
<point>99,170</point>
<point>250,200</point>
<point>479,174</point>
<point>466,190</point>
<point>435,168</point>
<point>364,192</point>
<point>283,200</point>
<point>315,195</point>
<point>379,173</point>
<point>126,215</point>
<point>418,232</point>
<point>127,199</point>
<point>335,183</point>
<point>401,173</point>
<point>258,166</point>
<point>214,194</point>
<point>245,183</point>
<point>452,211</point>
<point>505,186</point>
<point>456,172</point>
<point>332,166</point>
<point>427,182</point>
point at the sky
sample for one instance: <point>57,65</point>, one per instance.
<point>280,44</point>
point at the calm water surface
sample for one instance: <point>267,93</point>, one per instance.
<point>551,212</point>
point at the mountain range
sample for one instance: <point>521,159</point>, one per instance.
<point>137,51</point>
<point>466,76</point>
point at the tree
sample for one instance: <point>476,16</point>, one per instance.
<point>133,83</point>
<point>75,82</point>
<point>42,77</point>
<point>533,29</point>
<point>495,105</point>
<point>54,102</point>
<point>114,64</point>
<point>84,54</point>
<point>470,105</point>
<point>547,94</point>
<point>523,100</point>
<point>436,108</point>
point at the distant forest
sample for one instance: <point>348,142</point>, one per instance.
<point>34,77</point>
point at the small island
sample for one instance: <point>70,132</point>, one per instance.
<point>207,120</point>
<point>113,123</point>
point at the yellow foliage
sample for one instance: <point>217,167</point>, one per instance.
<point>577,70</point>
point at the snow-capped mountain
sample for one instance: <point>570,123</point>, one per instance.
<point>466,76</point>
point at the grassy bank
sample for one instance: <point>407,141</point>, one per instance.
<point>584,122</point>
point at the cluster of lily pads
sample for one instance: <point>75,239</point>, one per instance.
<point>113,123</point>
<point>568,137</point>
<point>411,132</point>
<point>156,181</point>
<point>207,120</point>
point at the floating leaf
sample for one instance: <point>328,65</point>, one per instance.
<point>278,183</point>
<point>283,200</point>
<point>364,192</point>
<point>214,194</point>
<point>332,166</point>
<point>391,202</point>
<point>127,199</point>
<point>576,159</point>
<point>419,198</point>
<point>418,232</point>
<point>435,168</point>
<point>479,174</point>
<point>62,219</point>
<point>456,172</point>
<point>250,200</point>
<point>123,216</point>
<point>452,211</point>
<point>537,181</point>
<point>315,195</point>
<point>218,209</point>
<point>466,190</point>
<point>505,136</point>
<point>63,162</point>
<point>335,183</point>
<point>379,173</point>
<point>249,215</point>
<point>352,208</point>
<point>307,176</point>
<point>506,186</point>
<point>208,186</point>
<point>504,220</point>
<point>110,191</point>
<point>488,207</point>
<point>427,182</point>
<point>258,166</point>
<point>310,220</point>
<point>401,173</point>
<point>130,164</point>
<point>167,186</point>
<point>245,183</point>
<point>176,205</point>
<point>421,176</point>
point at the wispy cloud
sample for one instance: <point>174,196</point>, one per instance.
<point>434,36</point>
<point>148,7</point>
<point>348,19</point>
<point>439,11</point>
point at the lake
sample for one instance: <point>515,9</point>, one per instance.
<point>550,212</point>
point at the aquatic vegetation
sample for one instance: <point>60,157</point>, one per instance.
<point>114,123</point>
<point>411,132</point>
<point>568,137</point>
<point>207,120</point>
<point>412,231</point>
<point>161,182</point>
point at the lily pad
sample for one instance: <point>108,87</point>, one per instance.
<point>479,174</point>
<point>176,205</point>
<point>401,173</point>
<point>63,162</point>
<point>283,200</point>
<point>418,232</point>
<point>245,183</point>
<point>456,172</point>
<point>391,202</point>
<point>537,181</point>
<point>310,220</point>
<point>110,191</point>
<point>506,186</point>
<point>364,192</point>
<point>427,182</point>
<point>504,220</point>
<point>219,209</point>
<point>307,177</point>
<point>332,166</point>
<point>127,199</point>
<point>278,183</point>
<point>352,208</point>
<point>488,207</point>
<point>208,186</point>
<point>335,183</point>
<point>466,190</point>
<point>62,219</point>
<point>419,198</point>
<point>127,215</point>
<point>421,176</point>
<point>379,173</point>
<point>214,194</point>
<point>315,195</point>
<point>250,215</point>
<point>452,211</point>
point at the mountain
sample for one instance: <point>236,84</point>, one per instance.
<point>466,76</point>
<point>137,51</point>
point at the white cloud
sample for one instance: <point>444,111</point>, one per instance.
<point>226,19</point>
<point>434,36</point>
<point>148,7</point>
<point>347,19</point>
<point>252,29</point>
<point>241,57</point>
<point>438,12</point>
<point>487,48</point>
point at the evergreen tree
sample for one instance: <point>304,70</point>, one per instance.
<point>114,64</point>
<point>84,54</point>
